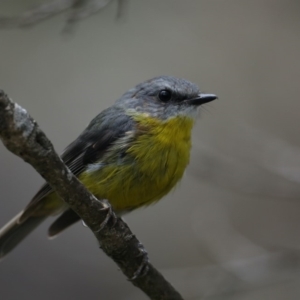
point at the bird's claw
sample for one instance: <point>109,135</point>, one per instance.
<point>110,215</point>
<point>144,267</point>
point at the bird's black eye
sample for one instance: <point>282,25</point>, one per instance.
<point>165,95</point>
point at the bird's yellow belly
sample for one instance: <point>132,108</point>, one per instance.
<point>128,187</point>
<point>154,163</point>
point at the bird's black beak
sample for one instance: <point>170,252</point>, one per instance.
<point>202,99</point>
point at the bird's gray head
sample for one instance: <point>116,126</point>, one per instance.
<point>165,97</point>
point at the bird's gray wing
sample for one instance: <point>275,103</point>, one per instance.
<point>89,147</point>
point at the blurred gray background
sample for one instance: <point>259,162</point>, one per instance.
<point>230,230</point>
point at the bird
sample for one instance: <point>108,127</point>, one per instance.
<point>131,154</point>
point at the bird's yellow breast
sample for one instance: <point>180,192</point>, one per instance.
<point>154,162</point>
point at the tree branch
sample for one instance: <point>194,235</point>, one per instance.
<point>22,136</point>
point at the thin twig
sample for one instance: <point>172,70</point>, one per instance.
<point>76,9</point>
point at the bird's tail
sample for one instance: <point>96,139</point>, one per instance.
<point>14,232</point>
